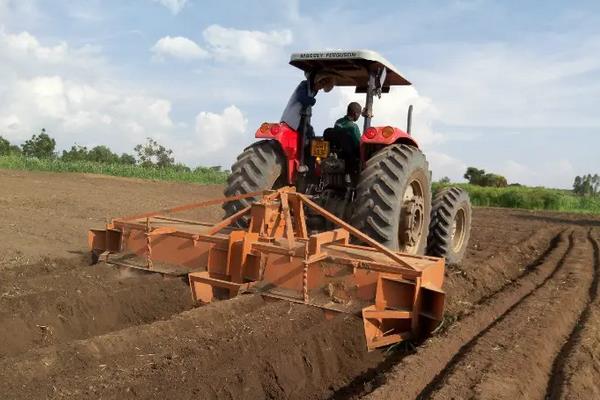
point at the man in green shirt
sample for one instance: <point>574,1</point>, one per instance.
<point>348,123</point>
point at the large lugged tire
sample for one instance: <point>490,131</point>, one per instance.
<point>393,199</point>
<point>261,166</point>
<point>450,225</point>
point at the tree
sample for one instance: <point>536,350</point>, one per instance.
<point>152,154</point>
<point>127,159</point>
<point>586,185</point>
<point>4,147</point>
<point>444,180</point>
<point>478,177</point>
<point>577,185</point>
<point>474,175</point>
<point>76,153</point>
<point>102,154</point>
<point>40,146</point>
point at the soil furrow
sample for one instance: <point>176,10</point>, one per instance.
<point>422,372</point>
<point>557,378</point>
<point>513,358</point>
<point>577,376</point>
<point>83,302</point>
<point>70,331</point>
<point>242,348</point>
<point>375,377</point>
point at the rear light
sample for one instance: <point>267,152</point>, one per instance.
<point>275,129</point>
<point>370,133</point>
<point>387,132</point>
<point>264,127</point>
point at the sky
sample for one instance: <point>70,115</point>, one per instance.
<point>512,87</point>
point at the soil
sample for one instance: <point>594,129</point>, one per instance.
<point>522,316</point>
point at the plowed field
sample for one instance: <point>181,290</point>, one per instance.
<point>522,316</point>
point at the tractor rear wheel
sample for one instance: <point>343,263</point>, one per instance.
<point>450,225</point>
<point>261,166</point>
<point>393,199</point>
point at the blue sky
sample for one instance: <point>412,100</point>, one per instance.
<point>511,87</point>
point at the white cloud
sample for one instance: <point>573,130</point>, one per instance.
<point>178,47</point>
<point>175,6</point>
<point>442,165</point>
<point>53,87</point>
<point>25,44</point>
<point>218,135</point>
<point>68,91</point>
<point>551,173</point>
<point>507,84</point>
<point>392,109</point>
<point>79,112</point>
<point>229,44</point>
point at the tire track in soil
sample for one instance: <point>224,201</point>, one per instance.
<point>375,377</point>
<point>557,379</point>
<point>527,338</point>
<point>438,382</point>
<point>420,374</point>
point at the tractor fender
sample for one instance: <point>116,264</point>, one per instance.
<point>287,138</point>
<point>387,135</point>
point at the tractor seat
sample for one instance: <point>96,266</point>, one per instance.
<point>342,144</point>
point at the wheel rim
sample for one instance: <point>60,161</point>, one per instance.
<point>458,230</point>
<point>412,218</point>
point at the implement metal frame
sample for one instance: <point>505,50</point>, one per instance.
<point>399,296</point>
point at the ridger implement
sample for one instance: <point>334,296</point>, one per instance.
<point>398,295</point>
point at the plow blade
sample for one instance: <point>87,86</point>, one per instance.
<point>399,296</point>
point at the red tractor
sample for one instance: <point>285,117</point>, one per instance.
<point>383,187</point>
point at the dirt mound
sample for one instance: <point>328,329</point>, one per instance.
<point>57,301</point>
<point>243,348</point>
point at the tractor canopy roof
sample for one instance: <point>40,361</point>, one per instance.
<point>351,67</point>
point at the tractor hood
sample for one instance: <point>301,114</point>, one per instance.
<point>351,67</point>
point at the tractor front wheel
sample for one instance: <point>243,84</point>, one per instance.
<point>393,199</point>
<point>450,226</point>
<point>261,166</point>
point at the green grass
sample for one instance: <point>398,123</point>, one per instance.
<point>537,198</point>
<point>531,198</point>
<point>200,175</point>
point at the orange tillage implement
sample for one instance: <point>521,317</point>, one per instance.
<point>399,296</point>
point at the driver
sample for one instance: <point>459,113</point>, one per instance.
<point>304,96</point>
<point>348,123</point>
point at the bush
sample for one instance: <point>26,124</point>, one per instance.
<point>181,173</point>
<point>102,154</point>
<point>479,177</point>
<point>531,198</point>
<point>76,153</point>
<point>40,146</point>
<point>127,159</point>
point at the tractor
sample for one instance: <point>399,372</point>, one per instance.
<point>382,188</point>
<point>293,203</point>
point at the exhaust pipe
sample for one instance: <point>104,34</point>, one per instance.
<point>409,119</point>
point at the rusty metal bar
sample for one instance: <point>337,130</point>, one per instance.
<point>353,231</point>
<point>228,221</point>
<point>190,206</point>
